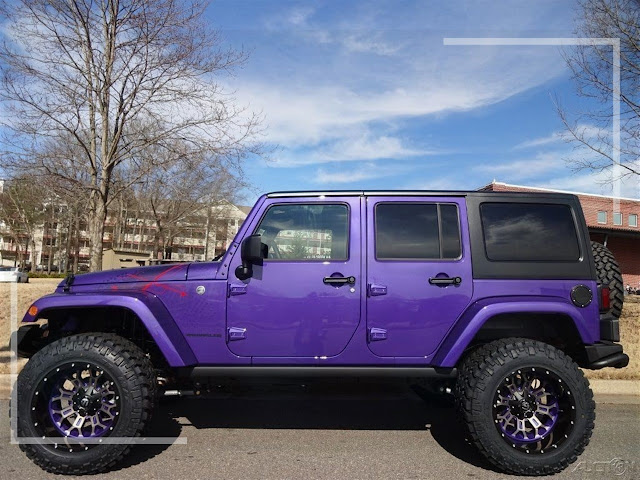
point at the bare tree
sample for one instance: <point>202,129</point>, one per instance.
<point>592,68</point>
<point>177,198</point>
<point>110,79</point>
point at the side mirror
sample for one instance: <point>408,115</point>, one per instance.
<point>252,251</point>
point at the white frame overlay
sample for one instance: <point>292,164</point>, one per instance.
<point>616,169</point>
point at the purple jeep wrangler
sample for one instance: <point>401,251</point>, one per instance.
<point>502,294</point>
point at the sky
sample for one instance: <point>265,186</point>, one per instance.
<point>365,95</point>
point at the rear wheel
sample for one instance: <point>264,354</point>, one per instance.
<point>526,406</point>
<point>609,274</point>
<point>76,392</point>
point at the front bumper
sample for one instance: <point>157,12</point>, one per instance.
<point>604,354</point>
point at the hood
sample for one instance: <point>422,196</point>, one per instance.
<point>154,273</point>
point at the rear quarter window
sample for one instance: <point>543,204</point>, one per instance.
<point>529,232</point>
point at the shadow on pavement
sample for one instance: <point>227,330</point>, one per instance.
<point>344,407</point>
<point>163,424</point>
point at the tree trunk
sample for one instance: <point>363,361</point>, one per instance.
<point>32,258</point>
<point>46,235</point>
<point>50,258</point>
<point>97,217</point>
<point>58,248</point>
<point>77,242</point>
<point>207,231</point>
<point>67,248</point>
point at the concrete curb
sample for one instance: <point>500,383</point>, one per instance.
<point>605,391</point>
<point>615,387</point>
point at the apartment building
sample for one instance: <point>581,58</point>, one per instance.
<point>61,246</point>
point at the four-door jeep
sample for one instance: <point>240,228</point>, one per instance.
<point>503,294</point>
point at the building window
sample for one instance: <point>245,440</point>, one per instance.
<point>633,220</point>
<point>602,217</point>
<point>617,218</point>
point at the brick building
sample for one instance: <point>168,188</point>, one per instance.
<point>611,221</point>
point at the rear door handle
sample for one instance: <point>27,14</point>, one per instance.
<point>339,280</point>
<point>236,333</point>
<point>445,280</point>
<point>375,290</point>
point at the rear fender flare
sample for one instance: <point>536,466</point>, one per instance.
<point>466,328</point>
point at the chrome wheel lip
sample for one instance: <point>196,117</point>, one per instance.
<point>548,419</point>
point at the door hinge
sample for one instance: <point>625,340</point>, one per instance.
<point>377,334</point>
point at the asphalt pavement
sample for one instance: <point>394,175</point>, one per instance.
<point>353,431</point>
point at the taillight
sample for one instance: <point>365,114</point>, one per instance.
<point>605,298</point>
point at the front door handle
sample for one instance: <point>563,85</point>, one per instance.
<point>339,280</point>
<point>236,289</point>
<point>445,281</point>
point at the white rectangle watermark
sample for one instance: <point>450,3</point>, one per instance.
<point>616,170</point>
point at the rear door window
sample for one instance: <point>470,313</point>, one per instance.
<point>417,231</point>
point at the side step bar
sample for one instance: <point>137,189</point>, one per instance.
<point>315,371</point>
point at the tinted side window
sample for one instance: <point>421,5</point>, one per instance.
<point>529,232</point>
<point>306,231</point>
<point>417,231</point>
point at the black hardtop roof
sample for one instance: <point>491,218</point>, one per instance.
<point>415,193</point>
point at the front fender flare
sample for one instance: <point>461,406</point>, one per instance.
<point>465,329</point>
<point>147,306</point>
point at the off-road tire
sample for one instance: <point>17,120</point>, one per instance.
<point>478,378</point>
<point>129,368</point>
<point>609,274</point>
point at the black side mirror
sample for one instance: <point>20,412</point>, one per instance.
<point>252,251</point>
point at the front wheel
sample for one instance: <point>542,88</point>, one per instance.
<point>526,406</point>
<point>76,392</point>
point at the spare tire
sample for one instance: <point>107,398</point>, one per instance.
<point>609,275</point>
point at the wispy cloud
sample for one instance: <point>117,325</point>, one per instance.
<point>364,171</point>
<point>443,183</point>
<point>357,36</point>
<point>556,169</point>
<point>342,87</point>
<point>586,131</point>
<point>537,166</point>
<point>599,183</point>
<point>328,83</point>
<point>298,16</point>
<point>310,113</point>
<point>541,141</point>
<point>356,147</point>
